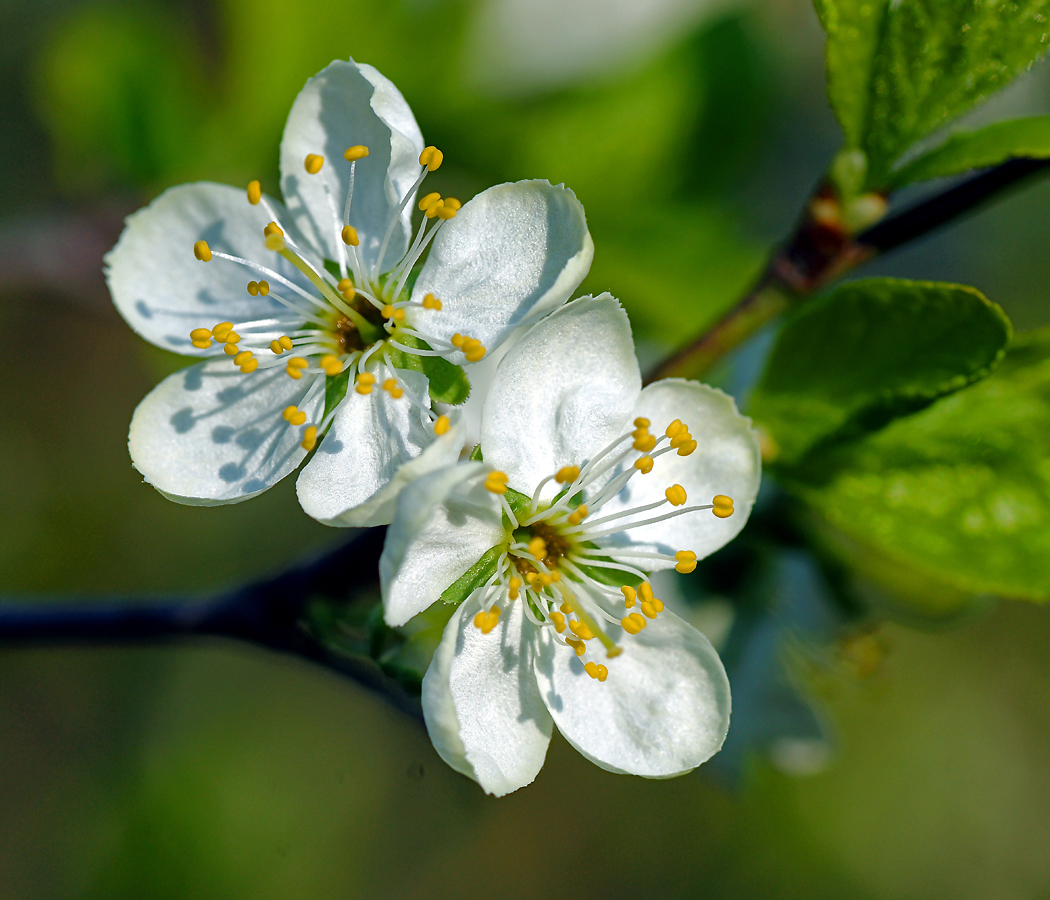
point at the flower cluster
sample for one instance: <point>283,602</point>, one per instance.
<point>355,342</point>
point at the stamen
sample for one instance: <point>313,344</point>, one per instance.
<point>675,495</point>
<point>353,154</point>
<point>294,416</point>
<point>686,561</point>
<point>496,482</point>
<point>441,425</point>
<point>331,364</point>
<point>280,345</point>
<point>202,251</point>
<point>723,506</point>
<point>431,302</point>
<point>432,158</point>
<point>254,192</point>
<point>365,381</point>
<point>313,163</point>
<point>567,474</point>
<point>391,387</point>
<point>349,236</point>
<point>310,435</point>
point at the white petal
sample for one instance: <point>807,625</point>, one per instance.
<point>562,393</point>
<point>209,435</point>
<point>164,291</point>
<point>481,704</point>
<point>445,522</point>
<point>376,446</point>
<point>662,711</point>
<point>726,461</point>
<point>347,104</point>
<point>511,255</point>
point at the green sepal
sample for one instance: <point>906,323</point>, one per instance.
<point>335,387</point>
<point>448,382</point>
<point>475,454</point>
<point>520,503</point>
<point>476,576</point>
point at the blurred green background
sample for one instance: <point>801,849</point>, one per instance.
<point>692,131</point>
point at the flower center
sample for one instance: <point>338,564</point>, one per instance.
<point>553,548</point>
<point>346,323</point>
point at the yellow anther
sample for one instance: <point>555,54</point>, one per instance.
<point>629,595</point>
<point>530,578</point>
<point>644,464</point>
<point>613,652</point>
<point>545,579</point>
<point>365,380</point>
<point>676,495</point>
<point>276,348</point>
<point>579,514</point>
<point>222,326</point>
<point>538,547</point>
<point>567,474</point>
<point>254,192</point>
<point>441,425</point>
<point>344,285</point>
<point>434,209</point>
<point>591,668</point>
<point>579,646</point>
<point>200,334</point>
<point>231,337</point>
<point>297,363</point>
<point>457,340</point>
<point>658,605</point>
<point>358,151</point>
<point>495,487</point>
<point>231,349</point>
<point>490,621</point>
<point>675,428</point>
<point>555,575</point>
<point>249,366</point>
<point>431,157</point>
<point>271,229</point>
<point>253,288</point>
<point>687,448</point>
<point>686,561</point>
<point>313,163</point>
<point>683,437</point>
<point>293,372</point>
<point>289,411</point>
<point>431,302</point>
<point>642,422</point>
<point>388,311</point>
<point>202,251</point>
<point>275,242</point>
<point>638,620</point>
<point>475,354</point>
<point>350,235</point>
<point>285,341</point>
<point>429,200</point>
<point>649,609</point>
<point>558,620</point>
<point>264,287</point>
<point>241,358</point>
<point>645,442</point>
<point>392,388</point>
<point>628,624</point>
<point>581,630</point>
<point>645,591</point>
<point>201,345</point>
<point>515,584</point>
<point>723,506</point>
<point>310,437</point>
<point>603,672</point>
<point>448,208</point>
<point>331,364</point>
<point>479,620</point>
<point>565,607</point>
<point>295,416</point>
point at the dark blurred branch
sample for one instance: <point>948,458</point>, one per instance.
<point>821,249</point>
<point>270,613</point>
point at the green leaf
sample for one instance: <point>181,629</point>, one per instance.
<point>448,383</point>
<point>853,30</point>
<point>958,493</point>
<point>477,575</point>
<point>335,388</point>
<point>898,71</point>
<point>976,149</point>
<point>871,351</point>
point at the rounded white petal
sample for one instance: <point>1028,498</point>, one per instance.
<point>376,446</point>
<point>445,522</point>
<point>662,711</point>
<point>164,291</point>
<point>209,435</point>
<point>344,105</point>
<point>481,704</point>
<point>727,460</point>
<point>562,393</point>
<point>510,256</point>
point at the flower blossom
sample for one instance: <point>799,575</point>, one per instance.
<point>317,326</point>
<point>588,483</point>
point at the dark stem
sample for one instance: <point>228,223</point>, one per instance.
<point>269,613</point>
<point>820,249</point>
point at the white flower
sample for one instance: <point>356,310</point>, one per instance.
<point>243,281</point>
<point>551,537</point>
